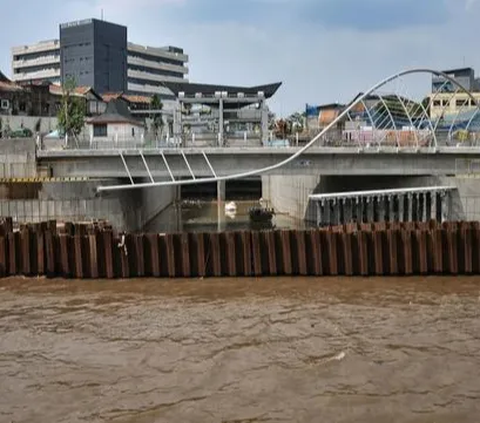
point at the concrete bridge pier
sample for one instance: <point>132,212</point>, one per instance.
<point>370,210</point>
<point>428,206</point>
<point>357,208</point>
<point>328,213</point>
<point>336,212</point>
<point>403,205</point>
<point>347,205</point>
<point>409,216</point>
<point>401,208</point>
<point>390,208</point>
<point>381,204</point>
<point>319,208</point>
<point>438,207</point>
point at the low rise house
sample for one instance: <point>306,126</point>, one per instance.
<point>116,125</point>
<point>94,102</point>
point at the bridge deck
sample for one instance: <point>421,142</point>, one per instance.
<point>72,153</point>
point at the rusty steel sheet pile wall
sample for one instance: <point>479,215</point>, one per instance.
<point>93,251</point>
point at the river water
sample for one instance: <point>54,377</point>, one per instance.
<point>205,216</point>
<point>235,350</point>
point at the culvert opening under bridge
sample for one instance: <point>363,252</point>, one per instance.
<point>242,189</point>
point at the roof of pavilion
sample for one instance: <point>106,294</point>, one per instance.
<point>191,89</point>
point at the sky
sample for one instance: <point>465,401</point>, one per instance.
<point>323,51</point>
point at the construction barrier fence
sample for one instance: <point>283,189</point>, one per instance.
<point>95,251</point>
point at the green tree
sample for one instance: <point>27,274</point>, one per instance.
<point>71,116</point>
<point>297,121</point>
<point>157,119</point>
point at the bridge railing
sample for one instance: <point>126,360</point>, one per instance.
<point>332,139</point>
<point>84,143</point>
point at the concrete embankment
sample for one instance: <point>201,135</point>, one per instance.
<point>96,251</point>
<point>32,193</point>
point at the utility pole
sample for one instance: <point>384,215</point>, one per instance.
<point>66,97</point>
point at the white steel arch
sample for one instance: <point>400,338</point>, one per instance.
<point>342,115</point>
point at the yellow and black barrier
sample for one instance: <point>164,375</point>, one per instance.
<point>37,180</point>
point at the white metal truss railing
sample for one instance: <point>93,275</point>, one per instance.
<point>385,119</point>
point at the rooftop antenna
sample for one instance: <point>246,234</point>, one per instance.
<point>102,15</point>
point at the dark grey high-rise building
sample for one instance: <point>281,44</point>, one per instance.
<point>94,54</point>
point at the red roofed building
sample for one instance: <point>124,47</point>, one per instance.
<point>42,99</point>
<point>135,102</point>
<point>95,104</point>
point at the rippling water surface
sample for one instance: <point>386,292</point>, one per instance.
<point>276,350</point>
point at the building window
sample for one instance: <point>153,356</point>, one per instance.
<point>22,106</point>
<point>461,103</point>
<point>133,132</point>
<point>5,104</point>
<point>437,103</point>
<point>100,130</point>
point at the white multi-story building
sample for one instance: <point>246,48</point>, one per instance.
<point>147,67</point>
<point>37,62</point>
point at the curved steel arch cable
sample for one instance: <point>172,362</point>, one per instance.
<point>404,107</point>
<point>452,126</point>
<point>394,124</point>
<point>444,109</point>
<point>429,124</point>
<point>372,122</point>
<point>417,125</point>
<point>299,152</point>
<point>473,116</point>
<point>424,112</point>
<point>382,127</point>
<point>431,104</point>
<point>429,119</point>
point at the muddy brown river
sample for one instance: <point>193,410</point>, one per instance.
<point>238,351</point>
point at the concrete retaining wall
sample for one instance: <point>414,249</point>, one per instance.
<point>67,191</point>
<point>47,124</point>
<point>68,210</point>
<point>77,201</point>
<point>289,195</point>
<point>17,150</point>
<point>17,158</point>
<point>154,201</point>
<point>74,201</point>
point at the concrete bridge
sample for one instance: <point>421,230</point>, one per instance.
<point>397,146</point>
<point>404,137</point>
<point>196,166</point>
